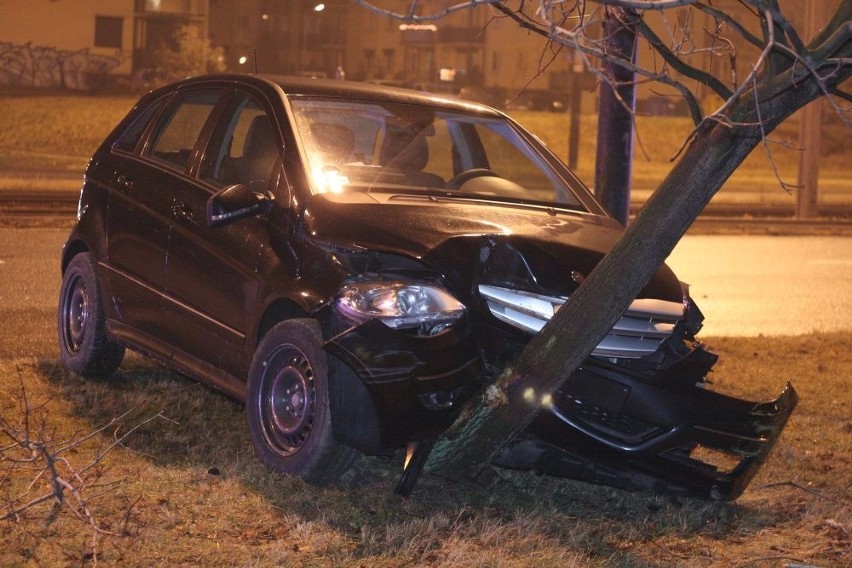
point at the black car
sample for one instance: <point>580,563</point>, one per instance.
<point>355,262</point>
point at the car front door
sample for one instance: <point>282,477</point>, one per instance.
<point>212,276</point>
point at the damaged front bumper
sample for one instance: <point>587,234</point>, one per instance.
<point>645,424</point>
<point>414,384</point>
<point>616,429</point>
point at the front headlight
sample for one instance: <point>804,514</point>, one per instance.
<point>400,304</point>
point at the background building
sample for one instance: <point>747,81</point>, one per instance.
<point>84,44</point>
<point>468,49</point>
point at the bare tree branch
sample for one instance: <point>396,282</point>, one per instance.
<point>34,454</point>
<point>729,21</point>
<point>678,64</point>
<point>763,136</point>
<point>569,23</point>
<point>647,4</point>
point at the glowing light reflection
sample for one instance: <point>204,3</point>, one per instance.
<point>329,180</point>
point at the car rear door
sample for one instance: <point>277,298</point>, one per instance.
<point>147,172</point>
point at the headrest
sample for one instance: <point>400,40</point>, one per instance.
<point>405,150</point>
<point>260,138</point>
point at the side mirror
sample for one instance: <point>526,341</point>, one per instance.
<point>233,203</point>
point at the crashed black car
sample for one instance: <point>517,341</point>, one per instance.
<point>355,262</point>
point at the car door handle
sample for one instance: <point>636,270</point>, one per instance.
<point>124,182</point>
<point>182,212</point>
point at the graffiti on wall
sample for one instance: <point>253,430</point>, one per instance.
<point>40,66</point>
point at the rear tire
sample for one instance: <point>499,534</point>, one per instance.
<point>83,344</point>
<point>287,405</point>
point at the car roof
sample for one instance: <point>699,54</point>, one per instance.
<point>296,86</point>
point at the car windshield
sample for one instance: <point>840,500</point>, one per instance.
<point>356,145</point>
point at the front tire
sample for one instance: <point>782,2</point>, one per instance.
<point>287,406</point>
<point>83,344</point>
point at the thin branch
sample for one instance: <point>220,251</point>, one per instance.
<point>565,23</point>
<point>120,439</point>
<point>790,483</point>
<point>678,64</point>
<point>841,94</point>
<point>576,41</point>
<point>723,17</point>
<point>789,31</point>
<point>646,4</point>
<point>784,185</point>
<point>92,434</point>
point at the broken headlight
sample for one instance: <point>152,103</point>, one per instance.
<point>400,304</point>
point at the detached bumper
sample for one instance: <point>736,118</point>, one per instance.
<point>616,430</point>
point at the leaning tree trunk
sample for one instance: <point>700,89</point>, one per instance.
<point>717,148</point>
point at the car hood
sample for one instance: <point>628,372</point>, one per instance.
<point>472,241</point>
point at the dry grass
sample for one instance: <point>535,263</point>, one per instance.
<point>185,489</point>
<point>56,131</point>
<point>660,138</point>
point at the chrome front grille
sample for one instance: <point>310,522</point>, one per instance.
<point>639,332</point>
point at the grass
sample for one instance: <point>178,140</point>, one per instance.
<point>659,139</point>
<point>66,135</point>
<point>56,131</point>
<point>186,489</point>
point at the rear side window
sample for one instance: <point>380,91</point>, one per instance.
<point>180,126</point>
<point>129,139</point>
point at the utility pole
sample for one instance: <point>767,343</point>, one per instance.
<point>575,101</point>
<point>614,155</point>
<point>810,131</point>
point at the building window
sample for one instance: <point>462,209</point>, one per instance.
<point>389,61</point>
<point>108,31</point>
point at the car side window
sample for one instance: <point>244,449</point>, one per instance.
<point>244,147</point>
<point>180,126</point>
<point>129,139</point>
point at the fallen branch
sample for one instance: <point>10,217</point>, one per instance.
<point>33,452</point>
<point>791,483</point>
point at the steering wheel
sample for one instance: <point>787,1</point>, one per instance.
<point>468,175</point>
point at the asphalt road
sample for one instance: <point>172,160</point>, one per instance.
<point>744,284</point>
<point>29,287</point>
<point>771,285</point>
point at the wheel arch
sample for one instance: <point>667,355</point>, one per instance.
<point>279,310</point>
<point>70,250</point>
